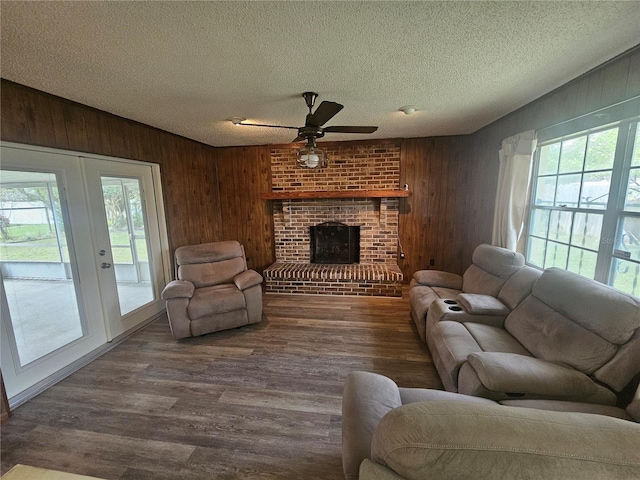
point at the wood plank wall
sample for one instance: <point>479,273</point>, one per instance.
<point>210,194</point>
<point>213,193</point>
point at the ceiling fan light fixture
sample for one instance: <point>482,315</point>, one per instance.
<point>310,156</point>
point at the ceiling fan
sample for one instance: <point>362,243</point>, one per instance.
<point>311,156</point>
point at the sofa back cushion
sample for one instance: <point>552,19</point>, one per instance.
<point>210,264</point>
<point>574,321</point>
<point>492,267</point>
<point>519,286</point>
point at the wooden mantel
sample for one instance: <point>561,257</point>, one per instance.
<point>336,194</point>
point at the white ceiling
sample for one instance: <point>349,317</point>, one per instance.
<point>186,67</point>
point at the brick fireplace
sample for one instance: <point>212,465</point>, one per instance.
<point>354,172</point>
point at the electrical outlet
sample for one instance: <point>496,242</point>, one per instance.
<point>432,262</point>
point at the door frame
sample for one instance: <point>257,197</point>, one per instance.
<point>165,270</point>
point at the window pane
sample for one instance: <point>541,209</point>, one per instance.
<point>539,223</point>
<point>632,201</point>
<point>628,241</point>
<point>636,148</point>
<point>556,255</point>
<point>587,230</point>
<point>572,156</point>
<point>560,226</point>
<point>549,157</point>
<point>601,150</point>
<point>595,190</point>
<point>535,251</point>
<point>626,276</point>
<point>545,191</point>
<point>582,262</point>
<point>568,190</point>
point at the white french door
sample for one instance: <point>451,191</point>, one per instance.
<point>82,254</point>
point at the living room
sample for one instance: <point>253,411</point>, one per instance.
<point>214,193</point>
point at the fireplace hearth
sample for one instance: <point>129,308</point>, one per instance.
<point>335,243</point>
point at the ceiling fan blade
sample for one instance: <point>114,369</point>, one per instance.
<point>325,112</point>
<point>299,138</point>
<point>344,129</point>
<point>270,126</point>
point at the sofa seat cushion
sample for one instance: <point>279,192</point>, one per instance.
<point>495,339</point>
<point>213,300</point>
<point>444,440</point>
<point>508,372</point>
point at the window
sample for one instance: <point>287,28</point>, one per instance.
<point>585,205</point>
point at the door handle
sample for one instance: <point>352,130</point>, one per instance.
<point>105,265</point>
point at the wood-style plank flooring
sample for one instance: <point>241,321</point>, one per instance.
<point>260,402</point>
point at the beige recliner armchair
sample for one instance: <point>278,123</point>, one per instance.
<point>213,291</point>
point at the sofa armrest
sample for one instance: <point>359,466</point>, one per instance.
<point>436,278</point>
<point>518,374</point>
<point>247,279</point>
<point>178,289</point>
<point>367,397</point>
<point>477,304</point>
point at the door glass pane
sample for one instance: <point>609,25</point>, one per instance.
<point>127,232</point>
<point>36,271</point>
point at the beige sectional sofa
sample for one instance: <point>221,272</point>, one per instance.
<point>391,433</point>
<point>570,339</point>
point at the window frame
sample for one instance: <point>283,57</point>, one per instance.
<point>612,215</point>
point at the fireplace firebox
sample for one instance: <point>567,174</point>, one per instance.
<point>335,242</point>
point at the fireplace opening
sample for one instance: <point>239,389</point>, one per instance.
<point>334,242</point>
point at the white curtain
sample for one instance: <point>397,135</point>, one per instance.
<point>512,198</point>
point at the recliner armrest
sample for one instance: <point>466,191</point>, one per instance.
<point>519,374</point>
<point>436,278</point>
<point>178,289</point>
<point>247,279</point>
<point>633,408</point>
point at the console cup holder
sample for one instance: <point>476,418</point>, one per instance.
<point>450,302</point>
<point>455,309</point>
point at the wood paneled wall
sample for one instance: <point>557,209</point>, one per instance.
<point>214,193</point>
<point>210,194</point>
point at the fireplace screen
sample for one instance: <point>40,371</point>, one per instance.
<point>333,242</point>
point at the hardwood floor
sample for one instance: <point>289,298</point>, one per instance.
<point>260,402</point>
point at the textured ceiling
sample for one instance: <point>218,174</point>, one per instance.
<point>186,67</point>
